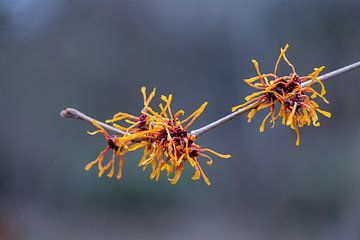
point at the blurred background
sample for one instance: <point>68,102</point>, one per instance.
<point>95,56</point>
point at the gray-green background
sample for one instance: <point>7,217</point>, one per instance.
<point>95,56</point>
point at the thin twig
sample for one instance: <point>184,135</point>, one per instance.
<point>335,73</point>
<point>73,113</point>
<point>241,111</point>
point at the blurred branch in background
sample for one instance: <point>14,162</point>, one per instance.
<point>73,113</point>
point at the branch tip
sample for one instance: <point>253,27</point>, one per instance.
<point>70,113</point>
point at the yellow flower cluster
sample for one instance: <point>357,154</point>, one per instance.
<point>168,145</point>
<point>296,107</point>
<point>163,136</point>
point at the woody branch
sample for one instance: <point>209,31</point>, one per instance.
<point>73,113</point>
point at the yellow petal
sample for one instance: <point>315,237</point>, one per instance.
<point>262,126</point>
<point>196,175</point>
<point>195,115</point>
<point>325,113</point>
<point>255,94</point>
<point>290,119</point>
<point>251,114</point>
<point>297,136</point>
<point>89,165</point>
<point>282,52</point>
<point>95,132</point>
<point>121,162</point>
<point>216,153</point>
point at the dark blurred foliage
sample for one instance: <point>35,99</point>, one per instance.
<point>95,56</point>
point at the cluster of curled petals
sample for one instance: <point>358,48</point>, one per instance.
<point>119,146</point>
<point>285,97</point>
<point>163,136</point>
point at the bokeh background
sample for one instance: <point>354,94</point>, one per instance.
<point>95,56</point>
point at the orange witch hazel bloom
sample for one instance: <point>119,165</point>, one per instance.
<point>110,146</point>
<point>172,146</point>
<point>164,138</point>
<point>285,97</point>
<point>119,146</point>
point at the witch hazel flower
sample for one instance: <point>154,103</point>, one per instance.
<point>285,97</point>
<point>163,135</point>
